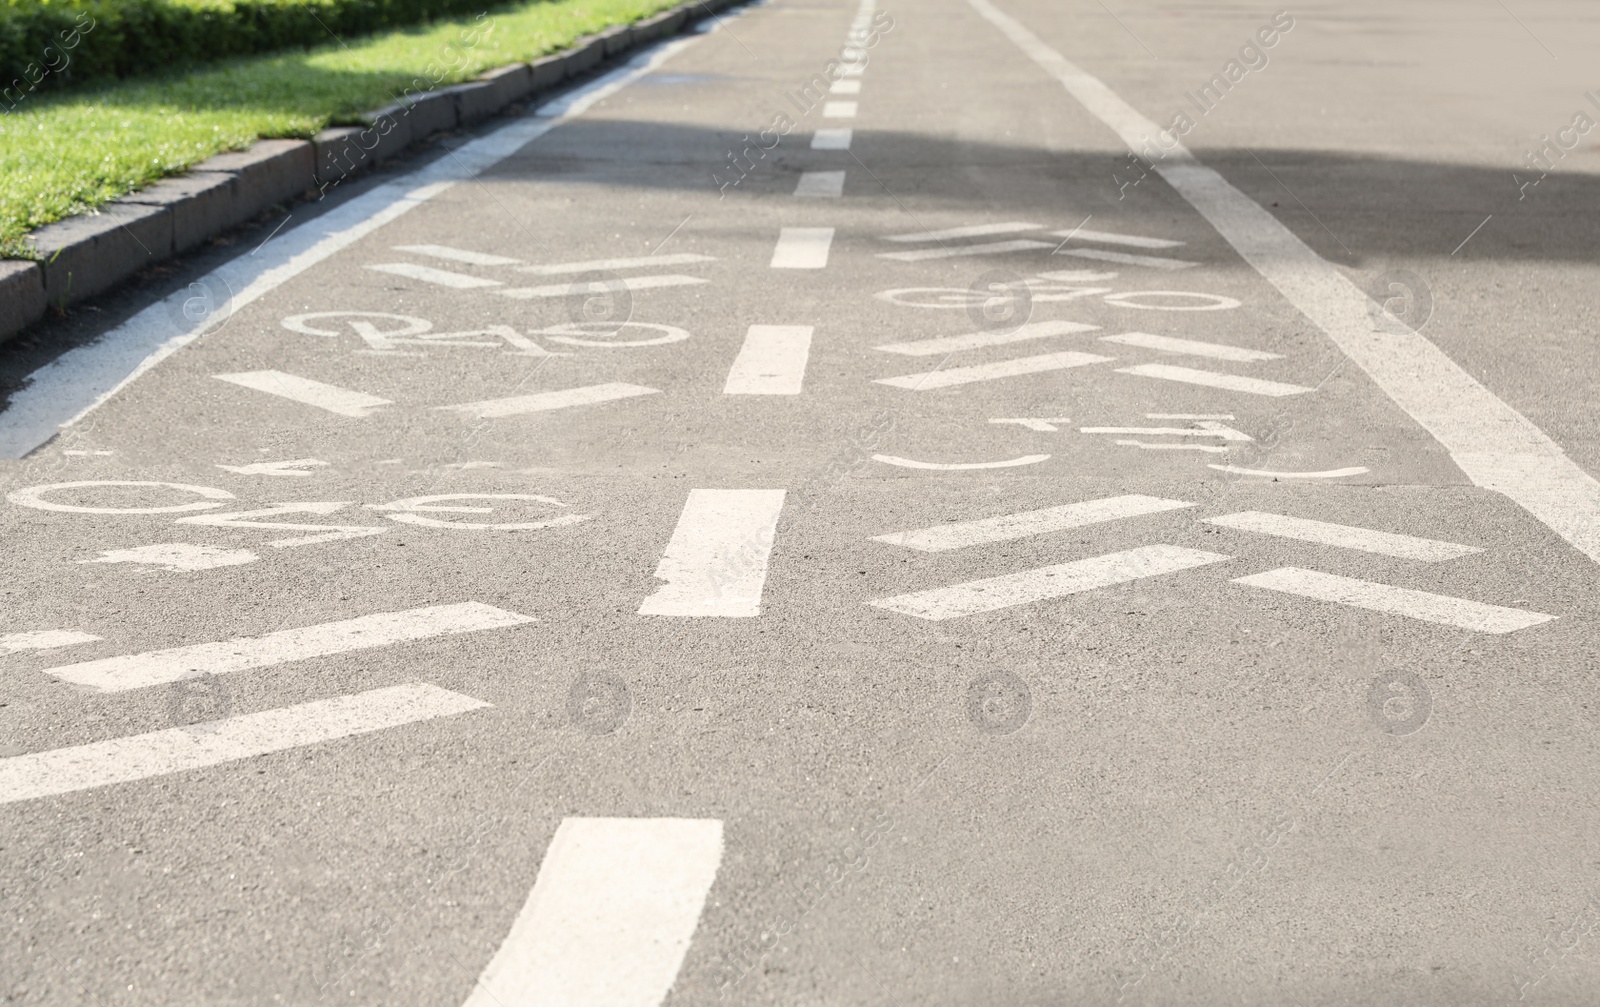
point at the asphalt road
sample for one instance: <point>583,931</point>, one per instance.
<point>716,539</point>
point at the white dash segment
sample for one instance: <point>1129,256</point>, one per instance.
<point>771,362</point>
<point>1151,446</point>
<point>588,288</point>
<point>180,749</point>
<point>305,391</point>
<point>158,667</point>
<point>845,87</point>
<point>1422,605</point>
<point>540,402</point>
<point>437,277</point>
<point>802,248</point>
<point>611,915</point>
<point>1212,379</point>
<point>1026,524</point>
<point>977,340</point>
<point>1188,416</point>
<point>839,109</point>
<point>956,251</point>
<point>1015,367</point>
<point>820,184</point>
<point>831,139</point>
<point>1206,429</point>
<point>716,561</point>
<point>1342,536</point>
<point>1111,238</point>
<point>994,593</point>
<point>43,639</point>
<point>1007,463</point>
<point>970,231</point>
<point>1129,259</point>
<point>459,255</point>
<point>631,262</point>
<point>1191,347</point>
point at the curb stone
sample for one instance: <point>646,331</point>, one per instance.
<point>89,254</point>
<point>21,293</point>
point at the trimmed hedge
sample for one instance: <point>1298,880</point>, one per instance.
<point>49,43</point>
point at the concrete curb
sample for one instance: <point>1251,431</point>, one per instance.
<point>87,255</point>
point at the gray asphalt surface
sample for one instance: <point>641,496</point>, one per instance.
<point>1170,789</point>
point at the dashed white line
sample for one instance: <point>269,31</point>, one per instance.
<point>630,262</point>
<point>989,372</point>
<point>977,340</point>
<point>772,361</point>
<point>839,109</point>
<point>820,184</point>
<point>1212,379</point>
<point>970,231</point>
<point>845,87</point>
<point>539,402</point>
<point>985,248</point>
<point>716,561</point>
<point>437,277</point>
<point>1191,347</point>
<point>1345,536</point>
<point>341,401</point>
<point>43,639</point>
<point>1422,605</point>
<point>802,248</point>
<point>831,139</point>
<point>459,255</point>
<point>1025,524</point>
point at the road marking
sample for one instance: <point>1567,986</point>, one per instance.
<point>820,184</point>
<point>1212,379</point>
<point>970,231</point>
<point>459,255</point>
<point>716,561</point>
<point>1494,445</point>
<point>831,139</point>
<point>977,340</point>
<point>1125,259</point>
<point>157,667</point>
<point>845,87</point>
<point>585,395</point>
<point>1191,347</point>
<point>332,398</point>
<point>1173,447</point>
<point>986,248</point>
<point>632,262</point>
<point>839,109</point>
<point>1345,536</point>
<point>437,277</point>
<point>43,639</point>
<point>589,288</point>
<point>802,248</point>
<point>1025,524</point>
<point>989,372</point>
<point>296,467</point>
<point>611,915</point>
<point>771,362</point>
<point>1188,416</point>
<point>1043,425</point>
<point>1353,470</point>
<point>1010,463</point>
<point>994,593</point>
<point>853,69</point>
<point>1436,608</point>
<point>180,749</point>
<point>177,556</point>
<point>1110,238</point>
<point>1207,429</point>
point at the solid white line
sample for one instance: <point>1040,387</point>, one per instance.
<point>1212,379</point>
<point>831,139</point>
<point>78,381</point>
<point>1110,238</point>
<point>1494,445</point>
<point>1436,608</point>
<point>1025,524</point>
<point>820,184</point>
<point>1057,581</point>
<point>1191,347</point>
<point>771,362</point>
<point>437,277</point>
<point>1213,430</point>
<point>1173,447</point>
<point>987,248</point>
<point>156,667</point>
<point>989,372</point>
<point>1344,536</point>
<point>1353,470</point>
<point>43,639</point>
<point>179,749</point>
<point>1126,259</point>
<point>632,262</point>
<point>972,231</point>
<point>977,340</point>
<point>1009,463</point>
<point>846,87</point>
<point>611,915</point>
<point>517,405</point>
<point>716,561</point>
<point>459,255</point>
<point>839,110</point>
<point>802,248</point>
<point>588,288</point>
<point>334,399</point>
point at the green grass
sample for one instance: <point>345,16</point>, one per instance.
<point>62,154</point>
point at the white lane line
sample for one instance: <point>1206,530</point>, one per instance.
<point>1344,536</point>
<point>820,184</point>
<point>1026,524</point>
<point>802,248</point>
<point>610,917</point>
<point>588,288</point>
<point>845,87</point>
<point>179,557</point>
<point>1149,446</point>
<point>971,231</point>
<point>993,593</point>
<point>156,667</point>
<point>1353,470</point>
<point>517,405</point>
<point>976,340</point>
<point>43,639</point>
<point>334,399</point>
<point>1212,379</point>
<point>1494,445</point>
<point>77,382</point>
<point>437,277</point>
<point>1436,608</point>
<point>1040,424</point>
<point>631,262</point>
<point>459,255</point>
<point>716,561</point>
<point>1111,238</point>
<point>180,749</point>
<point>831,139</point>
<point>989,372</point>
<point>1207,429</point>
<point>1191,347</point>
<point>986,248</point>
<point>1009,463</point>
<point>839,109</point>
<point>1188,416</point>
<point>1126,259</point>
<point>772,361</point>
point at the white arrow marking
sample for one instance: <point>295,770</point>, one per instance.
<point>297,467</point>
<point>1205,429</point>
<point>1422,605</point>
<point>1108,238</point>
<point>907,463</point>
<point>545,401</point>
<point>43,639</point>
<point>1354,470</point>
<point>978,340</point>
<point>1191,347</point>
<point>459,255</point>
<point>973,231</point>
<point>177,556</point>
<point>1045,425</point>
<point>334,399</point>
<point>437,277</point>
<point>1345,536</point>
<point>1025,524</point>
<point>987,248</point>
<point>1014,367</point>
<point>1213,379</point>
<point>1127,259</point>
